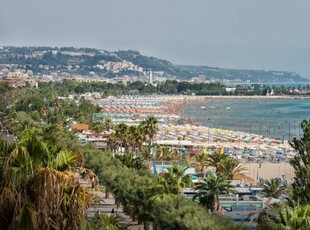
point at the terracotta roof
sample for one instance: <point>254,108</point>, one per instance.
<point>81,127</point>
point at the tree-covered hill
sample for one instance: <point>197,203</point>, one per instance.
<point>254,76</point>
<point>153,63</point>
<point>86,61</point>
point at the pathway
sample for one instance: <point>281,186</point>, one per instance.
<point>105,205</point>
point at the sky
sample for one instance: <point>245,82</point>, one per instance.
<point>240,34</point>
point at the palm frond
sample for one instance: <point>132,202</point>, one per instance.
<point>18,167</point>
<point>27,217</point>
<point>65,160</point>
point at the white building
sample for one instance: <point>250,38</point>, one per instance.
<point>151,77</point>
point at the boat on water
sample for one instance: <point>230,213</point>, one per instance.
<point>211,107</point>
<point>227,108</point>
<point>202,107</point>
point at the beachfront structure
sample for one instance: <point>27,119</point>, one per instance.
<point>239,205</point>
<point>99,139</point>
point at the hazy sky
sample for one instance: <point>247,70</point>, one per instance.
<point>252,34</point>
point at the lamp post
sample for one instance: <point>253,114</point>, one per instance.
<point>259,139</point>
<point>209,130</point>
<point>289,131</point>
<point>250,128</point>
<point>299,125</point>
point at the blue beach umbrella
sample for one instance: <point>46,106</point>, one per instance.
<point>279,153</point>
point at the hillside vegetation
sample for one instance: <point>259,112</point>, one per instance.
<point>86,61</point>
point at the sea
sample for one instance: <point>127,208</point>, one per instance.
<point>273,118</point>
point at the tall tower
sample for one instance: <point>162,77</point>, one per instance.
<point>151,77</point>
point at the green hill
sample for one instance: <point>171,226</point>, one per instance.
<point>86,61</point>
<point>254,76</point>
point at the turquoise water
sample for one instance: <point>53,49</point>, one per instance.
<point>276,118</point>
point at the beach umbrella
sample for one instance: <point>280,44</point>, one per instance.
<point>227,150</point>
<point>222,150</point>
<point>279,153</point>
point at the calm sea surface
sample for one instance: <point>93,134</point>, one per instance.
<point>276,118</point>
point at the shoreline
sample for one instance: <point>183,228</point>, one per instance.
<point>195,99</point>
<point>259,97</point>
<point>274,117</point>
<point>260,154</point>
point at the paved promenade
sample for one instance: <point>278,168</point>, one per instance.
<point>106,205</point>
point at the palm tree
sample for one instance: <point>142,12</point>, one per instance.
<point>50,134</point>
<point>114,142</point>
<point>97,126</point>
<point>38,189</point>
<point>215,159</point>
<point>173,156</point>
<point>105,222</point>
<point>108,124</point>
<point>150,128</point>
<point>230,169</point>
<point>209,190</point>
<point>132,138</point>
<point>140,137</point>
<point>273,188</point>
<point>201,163</point>
<point>121,132</point>
<point>297,217</point>
<point>5,149</point>
<point>119,138</point>
<point>175,179</point>
<point>162,152</point>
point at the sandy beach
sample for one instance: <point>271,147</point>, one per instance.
<point>266,155</point>
<point>269,170</point>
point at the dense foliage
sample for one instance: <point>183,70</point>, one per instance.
<point>149,198</point>
<point>39,188</point>
<point>301,164</point>
<point>166,87</point>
